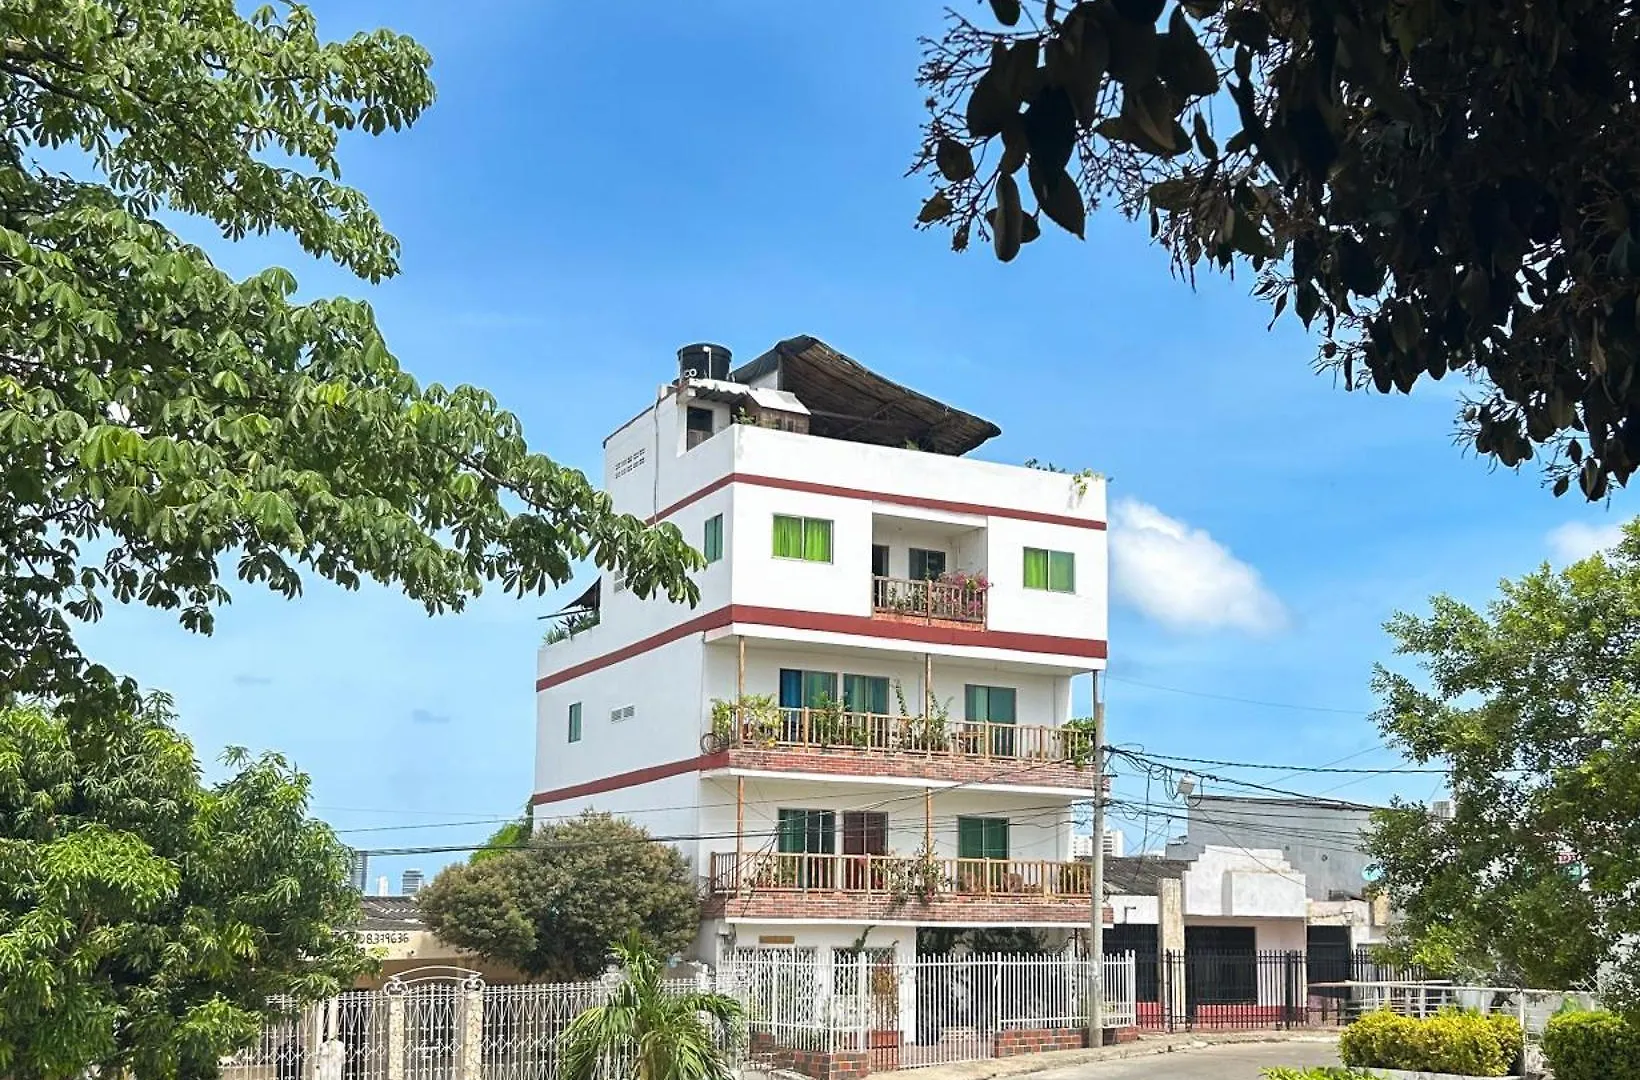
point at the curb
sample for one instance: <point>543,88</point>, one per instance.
<point>1026,1064</point>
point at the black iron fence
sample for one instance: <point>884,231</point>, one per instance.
<point>1228,990</point>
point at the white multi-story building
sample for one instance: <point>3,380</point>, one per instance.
<point>862,723</point>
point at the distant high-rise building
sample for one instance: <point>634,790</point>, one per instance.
<point>1442,809</point>
<point>360,870</point>
<point>1115,845</point>
<point>412,882</point>
<point>381,886</point>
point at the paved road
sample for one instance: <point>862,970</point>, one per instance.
<point>1237,1062</point>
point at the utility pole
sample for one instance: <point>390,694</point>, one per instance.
<point>1096,901</point>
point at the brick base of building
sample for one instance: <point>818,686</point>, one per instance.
<point>1040,1040</point>
<point>818,1064</point>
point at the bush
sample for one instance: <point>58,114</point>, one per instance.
<point>1592,1046</point>
<point>1452,1042</point>
<point>1325,1072</point>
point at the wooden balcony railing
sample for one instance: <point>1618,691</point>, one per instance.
<point>928,600</point>
<point>820,728</point>
<point>897,875</point>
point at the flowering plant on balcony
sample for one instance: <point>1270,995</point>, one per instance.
<point>970,588</point>
<point>966,580</point>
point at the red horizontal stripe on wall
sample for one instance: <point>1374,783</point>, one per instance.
<point>631,779</point>
<point>858,625</point>
<point>814,488</point>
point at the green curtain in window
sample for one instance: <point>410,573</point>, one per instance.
<point>712,542</point>
<point>982,838</point>
<point>1036,568</point>
<point>1061,571</point>
<point>816,540</point>
<point>866,694</point>
<point>819,687</point>
<point>788,537</point>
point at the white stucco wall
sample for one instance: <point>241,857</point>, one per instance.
<point>1243,884</point>
<point>669,715</point>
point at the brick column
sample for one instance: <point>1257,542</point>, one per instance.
<point>1170,943</point>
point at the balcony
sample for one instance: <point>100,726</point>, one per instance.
<point>955,600</point>
<point>862,744</point>
<point>866,887</point>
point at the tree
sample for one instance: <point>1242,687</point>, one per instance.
<point>145,919</point>
<point>1437,187</point>
<point>553,909</point>
<point>668,1036</point>
<point>1534,706</point>
<point>510,837</point>
<point>158,417</point>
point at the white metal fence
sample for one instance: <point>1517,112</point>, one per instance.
<point>926,1011</point>
<point>446,1024</point>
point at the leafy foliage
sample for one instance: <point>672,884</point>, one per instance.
<point>145,919</point>
<point>1463,1043</point>
<point>1592,1046</point>
<point>667,1036</point>
<point>553,909</point>
<point>157,416</point>
<point>1437,187</point>
<point>511,836</point>
<point>1322,1072</point>
<point>1533,706</point>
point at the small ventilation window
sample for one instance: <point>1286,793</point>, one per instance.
<point>625,712</point>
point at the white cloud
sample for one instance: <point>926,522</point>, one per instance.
<point>1577,540</point>
<point>1182,577</point>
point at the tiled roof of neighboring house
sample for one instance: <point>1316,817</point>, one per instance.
<point>1137,875</point>
<point>390,913</point>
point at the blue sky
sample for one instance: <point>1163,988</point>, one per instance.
<point>590,192</point>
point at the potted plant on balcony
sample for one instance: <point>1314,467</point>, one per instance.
<point>969,589</point>
<point>753,720</point>
<point>1076,741</point>
<point>926,732</point>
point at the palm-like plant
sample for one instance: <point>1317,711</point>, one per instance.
<point>667,1036</point>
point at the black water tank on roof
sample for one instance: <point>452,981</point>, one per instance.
<point>703,360</point>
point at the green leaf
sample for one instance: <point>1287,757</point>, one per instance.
<point>1058,196</point>
<point>1183,63</point>
<point>1006,11</point>
<point>936,208</point>
<point>954,160</point>
<point>1008,233</point>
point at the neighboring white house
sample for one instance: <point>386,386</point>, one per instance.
<point>1321,838</point>
<point>900,627</point>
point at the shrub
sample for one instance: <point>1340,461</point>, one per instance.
<point>1452,1042</point>
<point>1592,1046</point>
<point>1325,1072</point>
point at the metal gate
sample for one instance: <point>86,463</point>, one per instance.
<point>433,1003</point>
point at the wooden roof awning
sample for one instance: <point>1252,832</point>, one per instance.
<point>847,400</point>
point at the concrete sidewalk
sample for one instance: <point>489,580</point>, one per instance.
<point>1149,1046</point>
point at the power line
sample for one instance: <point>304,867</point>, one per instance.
<point>1294,770</point>
<point>1239,700</point>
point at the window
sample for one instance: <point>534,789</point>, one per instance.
<point>806,689</point>
<point>575,722</point>
<point>712,542</point>
<point>982,838</point>
<point>991,705</point>
<point>879,560</point>
<point>807,840</point>
<point>808,832</point>
<point>926,565</point>
<point>802,538</point>
<point>865,833</point>
<point>698,427</point>
<point>625,712</point>
<point>866,694</point>
<point>1054,571</point>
